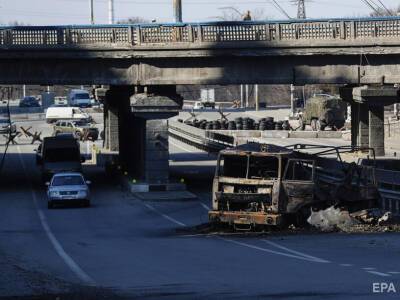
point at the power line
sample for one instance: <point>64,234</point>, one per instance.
<point>277,6</point>
<point>385,8</point>
<point>371,5</point>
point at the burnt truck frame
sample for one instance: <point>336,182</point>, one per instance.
<point>280,185</point>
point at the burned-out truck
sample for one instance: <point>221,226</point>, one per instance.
<point>257,185</point>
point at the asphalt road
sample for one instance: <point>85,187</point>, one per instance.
<point>125,248</point>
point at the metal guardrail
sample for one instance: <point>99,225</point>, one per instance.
<point>214,32</point>
<point>389,189</point>
<point>199,138</point>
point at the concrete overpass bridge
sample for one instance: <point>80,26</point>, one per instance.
<point>275,52</point>
<point>143,64</point>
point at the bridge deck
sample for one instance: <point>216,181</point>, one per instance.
<point>362,30</point>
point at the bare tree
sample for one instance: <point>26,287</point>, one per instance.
<point>384,11</point>
<point>231,13</point>
<point>17,23</point>
<point>133,20</point>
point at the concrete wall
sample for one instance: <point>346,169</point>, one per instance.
<point>223,70</point>
<point>392,129</point>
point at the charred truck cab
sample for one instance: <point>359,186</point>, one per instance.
<point>258,184</point>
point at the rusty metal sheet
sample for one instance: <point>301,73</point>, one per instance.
<point>243,198</point>
<point>249,218</point>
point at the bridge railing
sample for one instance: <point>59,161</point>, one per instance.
<point>134,35</point>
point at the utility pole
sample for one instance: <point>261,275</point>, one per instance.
<point>110,11</point>
<point>177,11</point>
<point>91,12</point>
<point>301,8</point>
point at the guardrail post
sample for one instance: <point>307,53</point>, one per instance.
<point>353,32</point>
<point>44,38</point>
<point>190,33</point>
<point>375,31</point>
<point>68,36</point>
<point>138,35</point>
<point>8,40</point>
<point>113,36</point>
<point>130,36</point>
<point>200,34</point>
<point>60,36</point>
<point>278,31</point>
<point>342,29</point>
<point>267,32</point>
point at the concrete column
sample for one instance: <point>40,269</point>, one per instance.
<point>111,120</point>
<point>143,131</point>
<point>354,123</point>
<point>376,130</point>
<point>156,156</point>
<point>363,126</point>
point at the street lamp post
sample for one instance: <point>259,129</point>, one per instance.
<point>110,11</point>
<point>177,11</point>
<point>91,12</point>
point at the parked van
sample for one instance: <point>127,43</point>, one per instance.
<point>54,114</point>
<point>80,98</point>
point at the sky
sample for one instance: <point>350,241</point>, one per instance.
<point>54,12</point>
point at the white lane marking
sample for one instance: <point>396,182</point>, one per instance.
<point>369,269</point>
<point>394,272</point>
<point>346,265</point>
<point>180,147</point>
<point>379,273</point>
<point>272,251</point>
<point>56,244</point>
<point>206,207</point>
<point>164,215</point>
<point>316,259</point>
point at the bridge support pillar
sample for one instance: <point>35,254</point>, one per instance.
<point>143,130</point>
<point>367,114</point>
<point>376,131</point>
<point>372,101</point>
<point>111,123</point>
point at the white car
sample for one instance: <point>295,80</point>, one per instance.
<point>68,188</point>
<point>55,113</point>
<point>5,126</point>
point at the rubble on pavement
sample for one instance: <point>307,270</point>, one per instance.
<point>366,220</point>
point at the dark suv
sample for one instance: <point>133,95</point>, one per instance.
<point>29,101</point>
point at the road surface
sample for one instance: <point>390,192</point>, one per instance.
<point>125,248</point>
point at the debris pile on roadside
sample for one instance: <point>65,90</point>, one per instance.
<point>366,220</point>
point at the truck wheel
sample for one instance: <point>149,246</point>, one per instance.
<point>319,125</point>
<point>314,125</point>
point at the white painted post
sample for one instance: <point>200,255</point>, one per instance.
<point>177,11</point>
<point>247,95</point>
<point>91,12</point>
<point>291,100</point>
<point>256,98</point>
<point>110,11</point>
